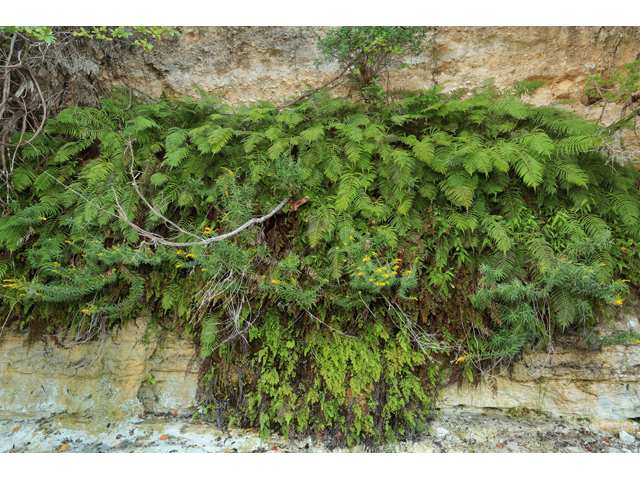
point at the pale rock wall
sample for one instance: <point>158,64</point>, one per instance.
<point>100,378</point>
<point>42,380</point>
<point>602,385</point>
<point>245,64</point>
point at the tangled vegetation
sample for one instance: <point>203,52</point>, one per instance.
<point>442,230</point>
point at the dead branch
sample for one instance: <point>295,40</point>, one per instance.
<point>315,90</point>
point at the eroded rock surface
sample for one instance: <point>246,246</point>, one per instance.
<point>130,371</point>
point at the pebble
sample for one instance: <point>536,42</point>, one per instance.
<point>626,438</point>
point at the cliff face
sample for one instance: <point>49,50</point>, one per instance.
<point>129,371</point>
<point>136,369</point>
<point>270,63</point>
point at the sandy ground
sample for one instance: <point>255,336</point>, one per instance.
<point>166,433</point>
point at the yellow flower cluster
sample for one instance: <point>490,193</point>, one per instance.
<point>207,231</point>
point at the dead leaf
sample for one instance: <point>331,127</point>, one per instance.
<point>163,437</point>
<point>227,451</point>
<point>175,414</point>
<point>606,440</point>
<point>17,428</point>
<point>140,415</point>
<point>64,448</point>
<point>201,423</point>
<point>117,446</point>
<point>500,446</point>
<point>118,437</point>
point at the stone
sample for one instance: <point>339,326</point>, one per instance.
<point>441,432</point>
<point>626,438</point>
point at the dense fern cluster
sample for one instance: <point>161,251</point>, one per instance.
<point>427,219</point>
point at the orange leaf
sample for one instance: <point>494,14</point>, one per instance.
<point>117,446</point>
<point>227,451</point>
<point>17,428</point>
<point>500,446</point>
<point>175,414</point>
<point>64,448</point>
<point>163,437</point>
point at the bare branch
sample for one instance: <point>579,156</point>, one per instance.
<point>156,212</point>
<point>157,239</point>
<point>315,90</point>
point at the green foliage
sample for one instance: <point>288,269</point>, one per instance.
<point>369,51</point>
<point>44,34</point>
<point>427,219</point>
<point>621,85</point>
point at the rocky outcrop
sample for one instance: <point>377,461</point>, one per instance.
<point>569,380</point>
<point>127,372</point>
<point>136,370</point>
<point>245,64</point>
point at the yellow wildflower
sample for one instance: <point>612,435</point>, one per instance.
<point>378,270</point>
<point>371,279</point>
<point>637,341</point>
<point>351,238</point>
<point>44,219</point>
<point>344,261</point>
<point>85,310</point>
<point>190,255</point>
<point>618,302</point>
<point>461,359</point>
<point>386,275</point>
<point>179,252</point>
<point>360,292</point>
<point>69,242</point>
<point>360,273</point>
<point>203,269</point>
<point>179,265</point>
<point>345,244</point>
<point>275,281</point>
<point>396,267</point>
<point>365,259</point>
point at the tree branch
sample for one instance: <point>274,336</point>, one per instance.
<point>315,90</point>
<point>157,239</point>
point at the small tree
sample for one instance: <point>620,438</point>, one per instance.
<point>369,51</point>
<point>621,86</point>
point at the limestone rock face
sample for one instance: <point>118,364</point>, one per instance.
<point>570,380</point>
<point>103,378</point>
<point>245,64</point>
